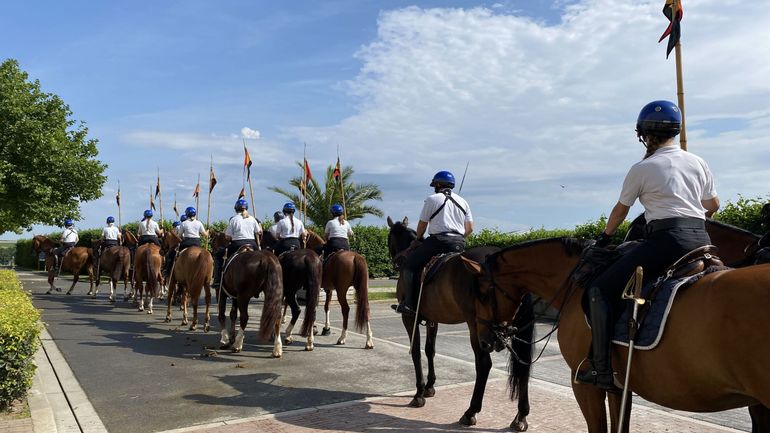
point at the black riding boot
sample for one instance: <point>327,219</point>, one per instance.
<point>217,272</point>
<point>409,304</point>
<point>600,373</point>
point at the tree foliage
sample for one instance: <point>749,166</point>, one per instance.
<point>744,213</point>
<point>321,196</point>
<point>48,164</point>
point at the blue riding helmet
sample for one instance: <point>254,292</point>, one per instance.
<point>68,222</point>
<point>190,212</point>
<point>110,219</point>
<point>337,210</point>
<point>659,119</point>
<point>443,178</point>
<point>289,208</point>
<point>175,224</point>
<point>241,205</point>
<point>183,218</point>
<point>148,213</point>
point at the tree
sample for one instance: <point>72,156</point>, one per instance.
<point>48,164</point>
<point>322,197</point>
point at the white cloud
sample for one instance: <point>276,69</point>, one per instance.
<point>249,133</point>
<point>534,105</point>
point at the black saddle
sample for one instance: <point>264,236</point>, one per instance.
<point>436,262</point>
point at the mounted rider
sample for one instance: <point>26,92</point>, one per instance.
<point>149,230</point>
<point>242,229</point>
<point>111,236</point>
<point>277,216</point>
<point>336,232</point>
<point>190,231</point>
<point>677,191</point>
<point>69,238</point>
<point>289,230</point>
<point>448,219</point>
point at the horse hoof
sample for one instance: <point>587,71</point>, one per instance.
<point>167,319</point>
<point>236,350</point>
<point>149,311</point>
<point>288,341</point>
<point>192,327</point>
<point>309,348</point>
<point>429,392</point>
<point>468,420</point>
<point>112,300</point>
<point>519,425</point>
<point>205,328</point>
<point>417,402</point>
<point>185,322</point>
<point>326,331</point>
<point>369,345</point>
<point>57,289</point>
<point>340,342</point>
<point>48,292</point>
<point>276,355</point>
<point>225,346</point>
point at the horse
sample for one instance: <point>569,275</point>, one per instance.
<point>449,298</point>
<point>147,268</point>
<point>713,356</point>
<point>74,261</point>
<point>191,273</point>
<point>116,261</point>
<point>301,268</point>
<point>736,245</point>
<point>247,275</point>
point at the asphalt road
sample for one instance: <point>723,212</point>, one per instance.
<point>142,374</point>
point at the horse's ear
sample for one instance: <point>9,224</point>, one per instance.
<point>390,222</point>
<point>405,222</point>
<point>472,266</point>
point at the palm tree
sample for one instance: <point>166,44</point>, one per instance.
<point>320,200</point>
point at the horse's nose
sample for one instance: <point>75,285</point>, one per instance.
<point>486,346</point>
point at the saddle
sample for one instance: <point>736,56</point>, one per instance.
<point>431,269</point>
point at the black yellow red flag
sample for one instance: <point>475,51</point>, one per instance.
<point>337,171</point>
<point>674,31</point>
<point>212,180</point>
<point>197,191</point>
<point>247,162</point>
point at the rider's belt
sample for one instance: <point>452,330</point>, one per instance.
<point>672,223</point>
<point>453,234</point>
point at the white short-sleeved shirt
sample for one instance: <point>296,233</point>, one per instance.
<point>240,228</point>
<point>69,235</point>
<point>285,231</point>
<point>148,229</point>
<point>274,230</point>
<point>110,233</point>
<point>671,183</point>
<point>334,229</point>
<point>450,219</point>
<point>191,228</point>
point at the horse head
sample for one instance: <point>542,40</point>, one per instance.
<point>400,237</point>
<point>170,240</point>
<point>314,241</point>
<point>129,239</point>
<point>218,240</point>
<point>41,243</point>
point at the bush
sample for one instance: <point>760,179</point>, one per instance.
<point>744,213</point>
<point>19,330</point>
<point>372,243</point>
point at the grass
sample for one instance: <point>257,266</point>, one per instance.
<point>381,296</point>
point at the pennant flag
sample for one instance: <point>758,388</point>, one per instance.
<point>337,172</point>
<point>308,174</point>
<point>247,162</point>
<point>197,191</point>
<point>176,211</point>
<point>302,187</point>
<point>242,194</point>
<point>117,197</point>
<point>212,180</point>
<point>157,188</point>
<point>152,203</point>
<point>673,32</point>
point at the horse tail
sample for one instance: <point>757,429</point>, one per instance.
<point>361,284</point>
<point>124,258</point>
<point>312,290</point>
<point>519,363</point>
<point>152,274</point>
<point>273,289</point>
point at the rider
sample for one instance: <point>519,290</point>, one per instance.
<point>278,216</point>
<point>148,230</point>
<point>677,191</point>
<point>243,229</point>
<point>337,232</point>
<point>110,235</point>
<point>289,231</point>
<point>69,238</point>
<point>450,220</point>
<point>177,228</point>
<point>190,230</point>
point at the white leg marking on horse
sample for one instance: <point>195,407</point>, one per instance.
<point>369,342</point>
<point>289,328</point>
<point>310,339</point>
<point>277,345</point>
<point>225,337</point>
<point>238,345</point>
<point>343,337</point>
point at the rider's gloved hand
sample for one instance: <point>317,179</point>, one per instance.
<point>603,240</point>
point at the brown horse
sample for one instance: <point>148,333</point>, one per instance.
<point>341,271</point>
<point>74,261</point>
<point>449,298</point>
<point>147,269</point>
<point>247,275</point>
<point>191,272</point>
<point>713,357</point>
<point>116,262</point>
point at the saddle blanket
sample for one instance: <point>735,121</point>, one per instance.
<point>654,322</point>
<point>435,263</point>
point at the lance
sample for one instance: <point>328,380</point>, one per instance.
<point>462,182</point>
<point>159,191</point>
<point>251,192</point>
<point>120,219</point>
<point>211,187</point>
<point>633,292</point>
<point>198,195</point>
<point>677,6</point>
<point>342,185</point>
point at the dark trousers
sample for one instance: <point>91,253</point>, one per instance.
<point>336,244</point>
<point>287,244</point>
<point>106,244</point>
<point>232,248</point>
<point>65,246</point>
<point>146,239</point>
<point>433,246</point>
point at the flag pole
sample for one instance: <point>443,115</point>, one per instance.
<point>251,190</point>
<point>120,218</point>
<point>208,205</point>
<point>198,196</point>
<point>303,204</point>
<point>342,186</point>
<point>679,80</point>
<point>160,200</point>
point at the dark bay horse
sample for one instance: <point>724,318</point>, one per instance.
<point>116,263</point>
<point>714,354</point>
<point>301,269</point>
<point>449,298</point>
<point>76,259</point>
<point>247,275</point>
<point>148,278</point>
<point>191,274</point>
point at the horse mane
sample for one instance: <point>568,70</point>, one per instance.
<point>399,228</point>
<point>573,246</point>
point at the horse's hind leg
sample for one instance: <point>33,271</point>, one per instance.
<point>194,301</point>
<point>207,294</point>
<point>224,340</point>
<point>327,304</point>
<point>243,309</point>
<point>430,352</point>
<point>291,300</point>
<point>185,294</point>
<point>75,279</point>
<point>760,419</point>
<point>171,289</point>
<point>342,297</point>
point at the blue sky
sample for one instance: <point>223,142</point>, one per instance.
<point>539,95</point>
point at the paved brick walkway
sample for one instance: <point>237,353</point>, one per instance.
<point>440,414</point>
<point>17,426</point>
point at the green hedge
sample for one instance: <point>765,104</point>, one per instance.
<point>744,213</point>
<point>19,330</point>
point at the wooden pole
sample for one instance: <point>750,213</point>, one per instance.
<point>160,200</point>
<point>198,196</point>
<point>342,186</point>
<point>679,80</point>
<point>303,204</point>
<point>208,205</point>
<point>251,196</point>
<point>120,218</point>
